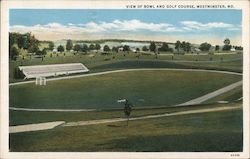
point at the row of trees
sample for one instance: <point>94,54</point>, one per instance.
<point>28,42</point>
<point>153,47</point>
<point>83,48</point>
<point>19,41</point>
<point>185,46</point>
<point>24,41</point>
<point>226,47</point>
<point>156,48</point>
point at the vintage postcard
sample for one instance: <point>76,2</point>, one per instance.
<point>124,79</point>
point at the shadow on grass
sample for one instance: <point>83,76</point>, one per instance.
<point>117,126</point>
<point>198,142</point>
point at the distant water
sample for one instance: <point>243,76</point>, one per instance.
<point>109,43</point>
<point>135,44</point>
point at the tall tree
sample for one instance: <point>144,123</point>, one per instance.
<point>187,47</point>
<point>69,45</point>
<point>106,48</point>
<point>77,47</point>
<point>217,48</point>
<point>178,45</point>
<point>41,52</point>
<point>60,48</point>
<point>152,47</point>
<point>115,49</point>
<point>33,49</point>
<point>92,47</point>
<point>51,45</point>
<point>227,41</point>
<point>20,41</point>
<point>97,46</point>
<point>144,48</point>
<point>13,53</point>
<point>227,45</point>
<point>164,47</point>
<point>25,41</point>
<point>84,48</point>
<point>12,39</point>
<point>33,44</point>
<point>205,46</point>
<point>183,45</point>
<point>126,48</point>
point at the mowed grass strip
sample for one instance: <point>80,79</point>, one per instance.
<point>142,88</point>
<point>206,132</point>
<point>98,62</point>
<point>229,96</point>
<point>30,117</point>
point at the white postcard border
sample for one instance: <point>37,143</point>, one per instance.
<point>62,4</point>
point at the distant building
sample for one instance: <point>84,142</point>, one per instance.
<point>232,49</point>
<point>133,49</point>
<point>120,49</point>
<point>197,49</point>
<point>54,50</point>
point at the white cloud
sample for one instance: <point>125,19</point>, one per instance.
<point>53,25</point>
<point>134,28</point>
<point>127,25</point>
<point>134,25</point>
<point>93,27</point>
<point>71,24</point>
<point>124,25</point>
<point>194,25</point>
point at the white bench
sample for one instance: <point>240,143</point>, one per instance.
<point>37,71</point>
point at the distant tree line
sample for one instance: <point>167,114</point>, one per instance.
<point>83,47</point>
<point>28,42</point>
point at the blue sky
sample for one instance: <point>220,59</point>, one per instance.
<point>144,24</point>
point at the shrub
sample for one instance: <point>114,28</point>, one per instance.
<point>18,74</point>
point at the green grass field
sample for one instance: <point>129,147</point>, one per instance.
<point>152,88</point>
<point>229,96</point>
<point>29,117</point>
<point>202,132</point>
<point>152,92</point>
<point>231,62</point>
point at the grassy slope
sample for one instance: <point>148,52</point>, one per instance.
<point>228,96</point>
<point>106,62</point>
<point>28,117</point>
<point>156,88</point>
<point>215,131</point>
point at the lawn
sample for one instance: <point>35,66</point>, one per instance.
<point>97,62</point>
<point>29,117</point>
<point>142,88</point>
<point>230,96</point>
<point>202,132</point>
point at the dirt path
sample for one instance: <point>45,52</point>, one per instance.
<point>34,127</point>
<point>212,94</point>
<point>51,110</point>
<point>127,70</point>
<point>51,125</point>
<point>104,121</point>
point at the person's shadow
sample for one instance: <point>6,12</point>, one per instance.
<point>116,125</point>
